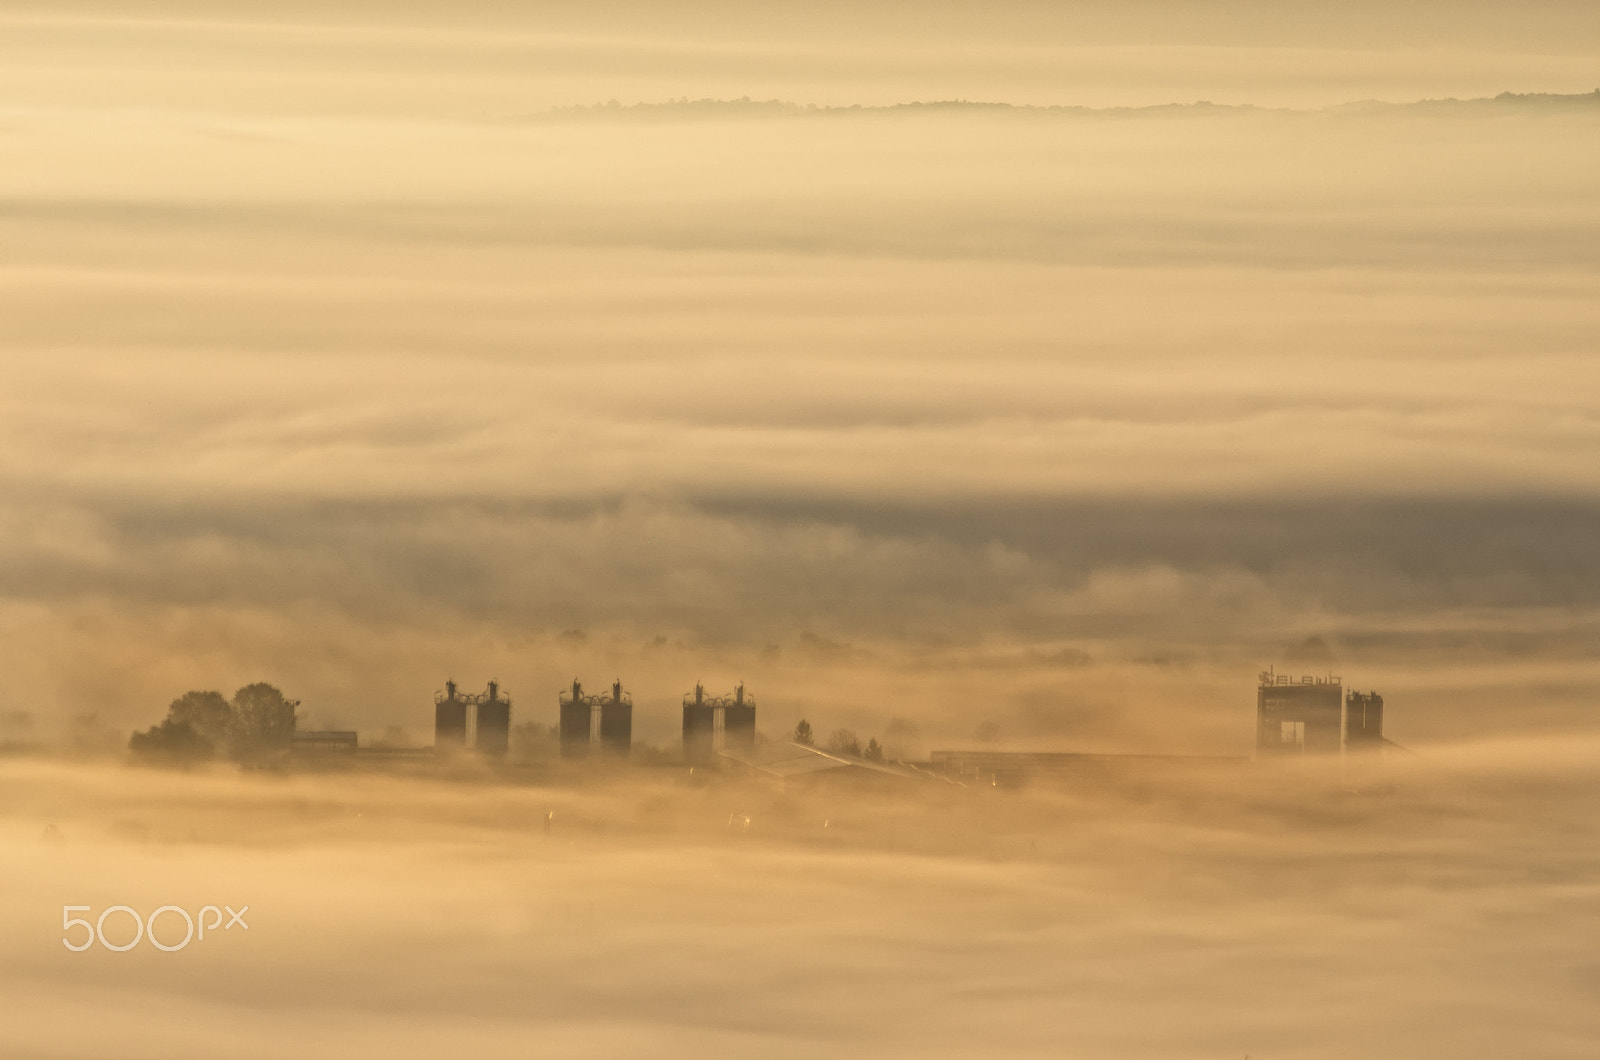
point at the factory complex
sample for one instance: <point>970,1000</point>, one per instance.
<point>1312,716</point>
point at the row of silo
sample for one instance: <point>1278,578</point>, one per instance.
<point>590,722</point>
<point>717,723</point>
<point>599,725</point>
<point>481,721</point>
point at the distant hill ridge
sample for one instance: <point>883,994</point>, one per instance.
<point>746,107</point>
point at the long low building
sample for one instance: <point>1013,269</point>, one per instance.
<point>1011,767</point>
<point>787,761</point>
<point>325,741</point>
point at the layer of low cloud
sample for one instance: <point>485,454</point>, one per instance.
<point>490,59</point>
<point>328,360</point>
<point>330,356</point>
<point>1447,899</point>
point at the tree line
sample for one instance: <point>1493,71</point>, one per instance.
<point>258,722</point>
<point>839,742</point>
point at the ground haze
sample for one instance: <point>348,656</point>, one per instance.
<point>1011,377</point>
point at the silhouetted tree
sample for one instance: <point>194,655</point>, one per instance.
<point>207,713</point>
<point>802,733</point>
<point>844,742</point>
<point>175,740</point>
<point>263,720</point>
<point>197,726</point>
<point>874,752</point>
<point>259,721</point>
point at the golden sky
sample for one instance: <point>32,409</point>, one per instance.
<point>334,353</point>
<point>358,346</point>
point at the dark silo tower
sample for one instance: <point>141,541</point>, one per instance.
<point>699,728</point>
<point>739,722</point>
<point>494,722</point>
<point>449,719</point>
<point>575,711</point>
<point>616,722</point>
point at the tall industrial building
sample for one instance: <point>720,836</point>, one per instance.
<point>1363,721</point>
<point>590,720</point>
<point>494,722</point>
<point>739,722</point>
<point>699,728</point>
<point>1312,716</point>
<point>449,719</point>
<point>575,722</point>
<point>481,721</point>
<point>714,723</point>
<point>616,722</point>
<point>1297,717</point>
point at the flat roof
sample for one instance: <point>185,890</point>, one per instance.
<point>787,759</point>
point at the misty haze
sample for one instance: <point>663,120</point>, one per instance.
<point>770,530</point>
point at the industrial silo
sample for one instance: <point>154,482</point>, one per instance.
<point>739,722</point>
<point>616,722</point>
<point>699,728</point>
<point>449,719</point>
<point>575,711</point>
<point>494,722</point>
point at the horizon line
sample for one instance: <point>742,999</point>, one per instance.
<point>782,107</point>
